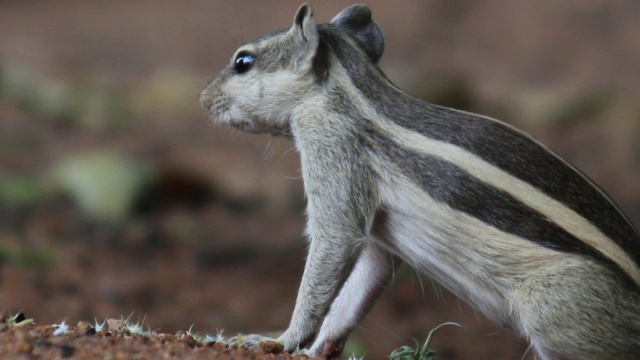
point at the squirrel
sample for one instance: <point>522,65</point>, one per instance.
<point>481,207</point>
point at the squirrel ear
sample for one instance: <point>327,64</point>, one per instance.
<point>356,20</point>
<point>304,26</point>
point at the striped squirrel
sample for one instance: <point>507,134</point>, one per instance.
<point>478,205</point>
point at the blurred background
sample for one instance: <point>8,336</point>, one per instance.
<point>118,196</point>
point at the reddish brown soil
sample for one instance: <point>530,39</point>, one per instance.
<point>216,242</point>
<point>117,342</point>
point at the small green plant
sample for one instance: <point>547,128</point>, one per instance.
<point>19,320</point>
<point>238,341</point>
<point>21,191</point>
<point>419,353</point>
<point>137,327</point>
<point>8,321</point>
<point>207,338</point>
<point>217,338</point>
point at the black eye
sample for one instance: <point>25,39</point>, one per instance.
<point>243,63</point>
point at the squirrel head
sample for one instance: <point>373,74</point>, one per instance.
<point>266,79</point>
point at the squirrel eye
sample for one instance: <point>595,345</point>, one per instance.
<point>243,63</point>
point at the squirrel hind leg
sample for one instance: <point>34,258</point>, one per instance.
<point>579,310</point>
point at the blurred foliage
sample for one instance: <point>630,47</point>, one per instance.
<point>93,100</point>
<point>354,349</point>
<point>563,106</point>
<point>3,81</point>
<point>21,191</point>
<point>27,258</point>
<point>557,106</point>
<point>89,101</point>
<point>581,107</point>
<point>104,184</point>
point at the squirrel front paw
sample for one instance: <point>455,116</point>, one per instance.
<point>254,341</point>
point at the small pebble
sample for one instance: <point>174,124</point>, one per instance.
<point>83,327</point>
<point>115,324</point>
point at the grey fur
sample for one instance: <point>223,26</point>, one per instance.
<point>481,207</point>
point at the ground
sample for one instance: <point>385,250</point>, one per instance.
<point>119,339</point>
<point>118,196</point>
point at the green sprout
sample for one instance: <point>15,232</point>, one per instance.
<point>19,320</point>
<point>419,353</point>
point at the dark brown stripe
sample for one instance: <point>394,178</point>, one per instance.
<point>453,186</point>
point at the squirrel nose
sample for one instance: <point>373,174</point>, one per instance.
<point>206,100</point>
